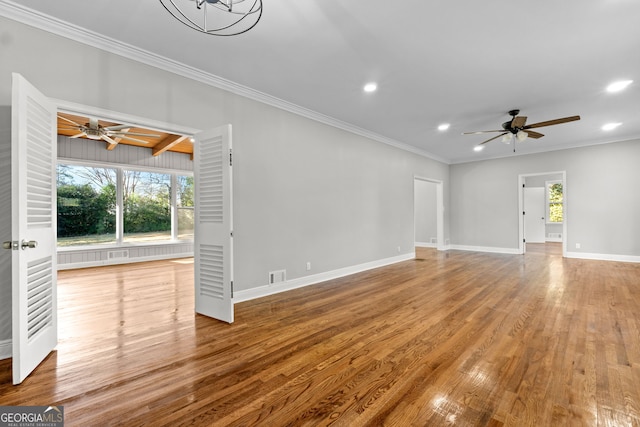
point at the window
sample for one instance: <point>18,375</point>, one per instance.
<point>90,198</point>
<point>86,205</point>
<point>147,206</point>
<point>555,199</point>
<point>184,203</point>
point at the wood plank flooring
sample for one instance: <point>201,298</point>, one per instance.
<point>450,338</point>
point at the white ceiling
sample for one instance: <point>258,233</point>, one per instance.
<point>462,62</point>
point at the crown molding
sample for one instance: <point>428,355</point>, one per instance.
<point>34,18</point>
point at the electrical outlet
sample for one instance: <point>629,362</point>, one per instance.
<point>398,248</point>
<point>577,245</point>
<point>308,266</point>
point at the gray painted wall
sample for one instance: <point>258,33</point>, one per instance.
<point>601,198</point>
<point>303,191</point>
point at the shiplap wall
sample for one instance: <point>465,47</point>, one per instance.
<point>94,151</point>
<point>84,149</point>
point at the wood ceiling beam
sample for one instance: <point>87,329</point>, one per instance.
<point>167,143</point>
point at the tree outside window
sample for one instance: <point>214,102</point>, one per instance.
<point>555,201</point>
<point>86,198</point>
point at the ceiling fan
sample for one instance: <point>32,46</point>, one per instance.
<point>94,130</point>
<point>517,127</point>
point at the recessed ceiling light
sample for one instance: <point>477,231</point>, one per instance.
<point>443,127</point>
<point>610,126</point>
<point>478,148</point>
<point>618,86</point>
<point>370,87</point>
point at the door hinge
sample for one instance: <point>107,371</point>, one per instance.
<point>232,289</point>
<point>524,241</point>
<point>523,212</point>
<point>232,233</point>
<point>230,157</point>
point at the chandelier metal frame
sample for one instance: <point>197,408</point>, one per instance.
<point>216,17</point>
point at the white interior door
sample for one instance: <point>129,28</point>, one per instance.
<point>33,227</point>
<point>534,218</point>
<point>213,241</point>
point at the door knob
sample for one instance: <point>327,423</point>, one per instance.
<point>7,245</point>
<point>29,244</point>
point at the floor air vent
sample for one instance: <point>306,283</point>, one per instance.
<point>277,276</point>
<point>117,254</point>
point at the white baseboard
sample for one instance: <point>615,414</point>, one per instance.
<point>426,245</point>
<point>263,291</point>
<point>603,257</point>
<point>5,349</point>
<point>117,261</point>
<point>514,251</point>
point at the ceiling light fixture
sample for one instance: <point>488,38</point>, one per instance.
<point>521,135</point>
<point>610,126</point>
<point>618,86</point>
<point>443,127</point>
<point>506,138</point>
<point>216,17</point>
<point>370,87</point>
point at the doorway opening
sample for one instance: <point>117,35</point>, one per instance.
<point>428,213</point>
<point>533,188</point>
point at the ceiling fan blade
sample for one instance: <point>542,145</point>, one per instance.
<point>482,131</point>
<point>552,122</point>
<point>78,135</point>
<point>534,135</point>
<point>141,141</point>
<point>518,122</point>
<point>109,140</point>
<point>495,137</point>
<point>132,134</point>
<point>67,120</point>
<point>117,127</point>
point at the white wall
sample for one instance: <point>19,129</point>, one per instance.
<point>601,203</point>
<point>303,191</point>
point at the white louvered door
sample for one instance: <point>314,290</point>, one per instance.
<point>213,249</point>
<point>33,216</point>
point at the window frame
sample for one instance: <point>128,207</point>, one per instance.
<point>120,168</point>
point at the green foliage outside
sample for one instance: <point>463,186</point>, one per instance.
<point>556,203</point>
<point>84,211</point>
<point>144,213</point>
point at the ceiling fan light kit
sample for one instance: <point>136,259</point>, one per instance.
<point>216,17</point>
<point>517,129</point>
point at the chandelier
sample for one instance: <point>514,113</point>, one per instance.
<point>216,17</point>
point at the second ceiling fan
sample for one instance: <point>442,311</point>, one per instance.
<point>517,127</point>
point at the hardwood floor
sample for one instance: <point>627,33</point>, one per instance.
<point>450,338</point>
